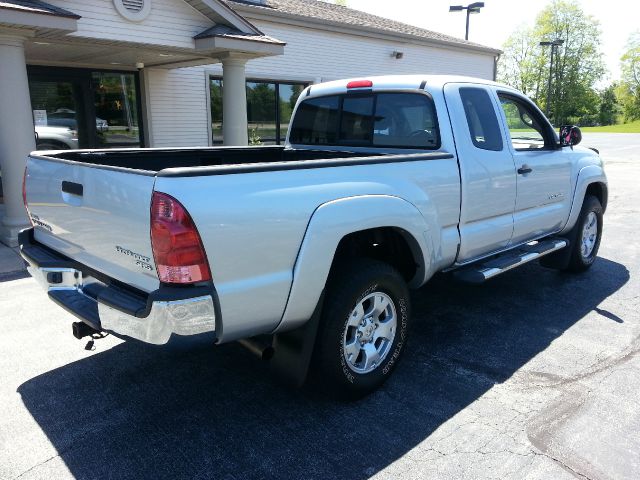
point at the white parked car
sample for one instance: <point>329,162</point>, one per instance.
<point>65,117</point>
<point>55,138</point>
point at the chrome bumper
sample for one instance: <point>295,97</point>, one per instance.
<point>189,316</point>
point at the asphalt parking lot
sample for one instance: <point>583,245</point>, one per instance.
<point>534,375</point>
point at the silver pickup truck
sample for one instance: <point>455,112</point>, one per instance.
<point>306,252</point>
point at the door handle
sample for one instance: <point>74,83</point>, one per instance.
<point>72,188</point>
<point>525,169</point>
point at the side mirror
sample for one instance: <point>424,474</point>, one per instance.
<point>570,135</point>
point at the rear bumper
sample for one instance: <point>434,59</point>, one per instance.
<point>106,305</point>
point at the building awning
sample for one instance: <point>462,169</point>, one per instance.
<point>36,6</point>
<point>60,36</point>
<point>34,14</point>
<point>223,37</point>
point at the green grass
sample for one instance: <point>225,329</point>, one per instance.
<point>633,127</point>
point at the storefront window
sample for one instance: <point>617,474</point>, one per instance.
<point>116,109</point>
<point>261,112</point>
<point>56,114</point>
<point>76,108</point>
<point>269,109</point>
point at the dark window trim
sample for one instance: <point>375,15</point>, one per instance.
<point>341,96</point>
<point>278,119</point>
<point>550,140</point>
<point>66,72</point>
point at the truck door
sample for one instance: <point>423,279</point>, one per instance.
<point>487,170</point>
<point>543,170</point>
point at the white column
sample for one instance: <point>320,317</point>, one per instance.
<point>234,101</point>
<point>16,134</point>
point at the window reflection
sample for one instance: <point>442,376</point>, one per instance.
<point>216,110</point>
<point>261,113</point>
<point>269,109</point>
<point>115,97</point>
<point>288,94</point>
<point>55,114</point>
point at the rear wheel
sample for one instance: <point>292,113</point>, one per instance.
<point>363,329</point>
<point>587,234</point>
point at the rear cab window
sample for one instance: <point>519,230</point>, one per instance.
<point>381,119</point>
<point>481,119</point>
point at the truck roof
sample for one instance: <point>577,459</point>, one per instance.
<point>400,82</point>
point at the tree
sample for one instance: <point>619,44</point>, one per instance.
<point>629,89</point>
<point>521,65</point>
<point>578,64</point>
<point>608,113</point>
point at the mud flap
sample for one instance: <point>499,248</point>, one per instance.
<point>560,260</point>
<point>293,350</point>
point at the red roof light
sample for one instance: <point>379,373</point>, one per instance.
<point>360,84</point>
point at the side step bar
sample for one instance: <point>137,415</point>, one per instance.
<point>488,268</point>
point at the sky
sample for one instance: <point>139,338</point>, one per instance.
<point>499,18</point>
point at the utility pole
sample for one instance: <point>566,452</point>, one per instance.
<point>554,48</point>
<point>471,8</point>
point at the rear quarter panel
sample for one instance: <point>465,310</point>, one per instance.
<point>253,224</point>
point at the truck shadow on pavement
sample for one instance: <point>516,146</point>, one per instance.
<point>137,411</point>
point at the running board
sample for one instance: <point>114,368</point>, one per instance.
<point>488,268</point>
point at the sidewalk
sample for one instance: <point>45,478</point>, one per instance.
<point>11,264</point>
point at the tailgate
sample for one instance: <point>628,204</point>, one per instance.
<point>97,216</point>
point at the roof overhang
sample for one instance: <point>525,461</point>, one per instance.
<point>238,44</point>
<point>221,13</point>
<point>230,34</point>
<point>18,18</point>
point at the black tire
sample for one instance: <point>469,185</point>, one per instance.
<point>349,286</point>
<point>578,261</point>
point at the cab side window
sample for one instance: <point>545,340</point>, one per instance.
<point>523,123</point>
<point>481,118</point>
<point>405,120</point>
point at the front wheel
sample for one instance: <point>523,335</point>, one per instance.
<point>587,235</point>
<point>363,328</point>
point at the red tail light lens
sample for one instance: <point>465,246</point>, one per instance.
<point>360,84</point>
<point>177,247</point>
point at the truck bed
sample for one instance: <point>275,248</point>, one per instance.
<point>157,159</point>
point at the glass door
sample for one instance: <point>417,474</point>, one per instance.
<point>58,114</point>
<point>116,109</point>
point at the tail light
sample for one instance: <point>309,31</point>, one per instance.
<point>177,247</point>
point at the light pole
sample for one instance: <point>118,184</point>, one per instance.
<point>471,8</point>
<point>554,48</point>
